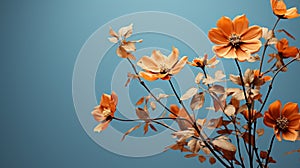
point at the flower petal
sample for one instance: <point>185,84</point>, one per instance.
<point>231,53</point>
<point>180,64</point>
<point>278,136</point>
<point>222,50</point>
<point>172,58</point>
<point>217,36</point>
<point>274,109</point>
<point>102,126</point>
<point>279,8</point>
<point>290,109</point>
<point>269,120</point>
<point>290,52</point>
<point>148,76</point>
<point>240,24</point>
<point>254,32</point>
<point>252,46</point>
<point>290,135</point>
<point>292,13</point>
<point>158,57</point>
<point>294,121</point>
<point>242,55</point>
<point>148,64</point>
<point>225,24</point>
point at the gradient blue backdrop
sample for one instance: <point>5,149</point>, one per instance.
<point>39,44</point>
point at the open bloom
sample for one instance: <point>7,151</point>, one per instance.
<point>279,9</point>
<point>204,61</point>
<point>159,66</point>
<point>284,121</point>
<point>235,39</point>
<point>104,112</point>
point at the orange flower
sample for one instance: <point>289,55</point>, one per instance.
<point>184,122</point>
<point>159,66</point>
<point>285,121</point>
<point>202,62</point>
<point>104,112</point>
<point>279,9</point>
<point>235,39</point>
<point>284,50</point>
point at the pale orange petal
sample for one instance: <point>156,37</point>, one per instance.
<point>148,76</point>
<point>217,36</point>
<point>172,58</point>
<point>290,109</point>
<point>225,24</point>
<point>102,126</point>
<point>222,50</point>
<point>158,57</point>
<point>278,136</point>
<point>240,24</point>
<point>242,55</point>
<point>252,46</point>
<point>177,68</point>
<point>231,53</point>
<point>254,32</point>
<point>292,13</point>
<point>274,109</point>
<point>279,8</point>
<point>148,64</point>
<point>290,135</point>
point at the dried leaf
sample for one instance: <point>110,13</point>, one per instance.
<point>113,33</point>
<point>224,131</point>
<point>215,123</point>
<point>253,58</point>
<point>245,136</point>
<point>190,155</point>
<point>197,101</point>
<point>189,93</point>
<point>219,75</point>
<point>162,96</point>
<point>130,130</point>
<point>206,151</point>
<point>146,127</point>
<point>129,46</point>
<point>194,145</point>
<point>212,160</point>
<point>218,89</point>
<point>140,101</point>
<point>121,52</point>
<point>153,105</point>
<point>229,110</point>
<point>263,154</point>
<point>199,77</point>
<point>260,131</point>
<point>152,127</point>
<point>142,114</point>
<point>235,79</point>
<point>222,143</point>
<point>201,158</point>
<point>292,151</point>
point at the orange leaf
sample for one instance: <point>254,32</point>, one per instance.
<point>146,128</point>
<point>201,158</point>
<point>191,155</point>
<point>212,160</point>
<point>130,130</point>
<point>140,101</point>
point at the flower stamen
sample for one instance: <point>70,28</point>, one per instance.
<point>235,40</point>
<point>282,123</point>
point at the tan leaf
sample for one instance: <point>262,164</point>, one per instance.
<point>212,160</point>
<point>218,89</point>
<point>206,151</point>
<point>153,105</point>
<point>130,130</point>
<point>219,75</point>
<point>140,101</point>
<point>253,58</point>
<point>260,131</point>
<point>121,52</point>
<point>189,93</point>
<point>113,33</point>
<point>129,46</point>
<point>201,158</point>
<point>197,101</point>
<point>229,110</point>
<point>162,96</point>
<point>194,145</point>
<point>222,143</point>
<point>235,79</point>
<point>142,114</point>
<point>190,155</point>
<point>215,123</point>
<point>199,77</point>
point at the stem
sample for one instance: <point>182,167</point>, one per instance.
<point>148,90</point>
<point>266,46</point>
<point>205,74</point>
<point>238,145</point>
<point>269,151</point>
<point>249,112</point>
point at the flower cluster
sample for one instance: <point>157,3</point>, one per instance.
<point>241,106</point>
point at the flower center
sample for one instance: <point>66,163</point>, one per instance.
<point>164,69</point>
<point>235,40</point>
<point>282,123</point>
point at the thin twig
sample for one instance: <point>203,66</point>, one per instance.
<point>269,151</point>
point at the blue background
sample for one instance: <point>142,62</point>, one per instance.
<point>40,41</point>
